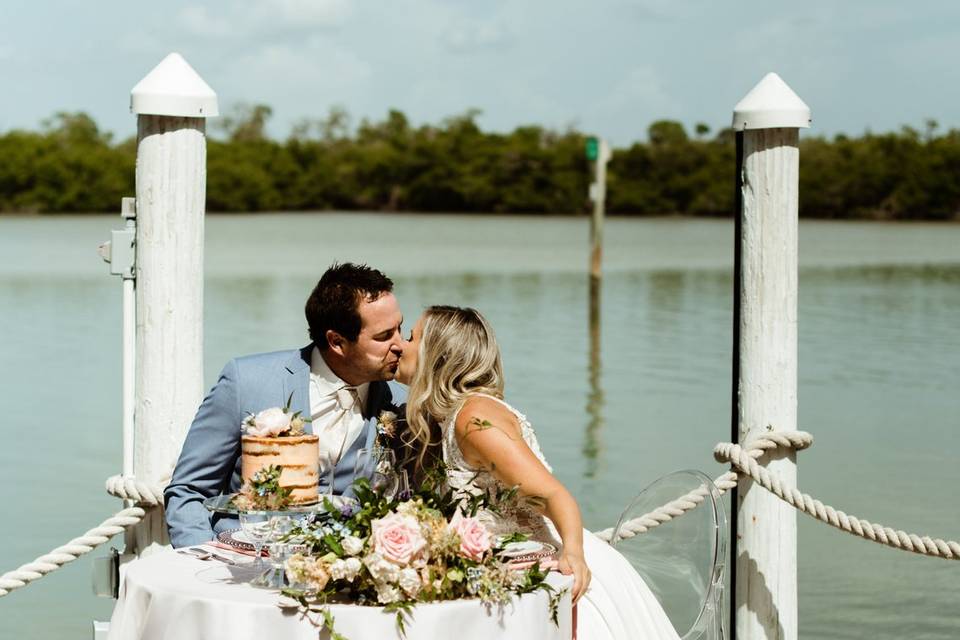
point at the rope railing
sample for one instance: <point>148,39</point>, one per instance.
<point>743,459</point>
<point>145,496</point>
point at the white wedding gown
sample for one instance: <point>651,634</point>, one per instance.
<point>618,605</point>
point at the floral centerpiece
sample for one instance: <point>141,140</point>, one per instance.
<point>425,546</point>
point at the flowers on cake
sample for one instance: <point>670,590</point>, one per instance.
<point>396,553</point>
<point>264,491</point>
<point>274,422</point>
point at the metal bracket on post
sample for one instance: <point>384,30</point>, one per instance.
<point>121,249</point>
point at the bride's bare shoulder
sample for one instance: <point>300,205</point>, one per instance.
<point>481,413</point>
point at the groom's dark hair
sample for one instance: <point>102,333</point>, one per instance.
<point>335,301</point>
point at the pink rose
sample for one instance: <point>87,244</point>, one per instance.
<point>397,538</point>
<point>474,537</point>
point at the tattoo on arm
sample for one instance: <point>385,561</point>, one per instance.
<point>476,424</point>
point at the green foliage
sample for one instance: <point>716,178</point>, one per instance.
<point>263,491</point>
<point>69,167</point>
<point>395,165</point>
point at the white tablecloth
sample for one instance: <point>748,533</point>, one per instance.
<point>162,598</point>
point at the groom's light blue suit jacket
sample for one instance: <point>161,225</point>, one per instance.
<point>209,463</point>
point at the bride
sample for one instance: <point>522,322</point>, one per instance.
<point>451,363</point>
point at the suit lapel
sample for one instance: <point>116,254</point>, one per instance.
<point>377,396</point>
<point>297,382</point>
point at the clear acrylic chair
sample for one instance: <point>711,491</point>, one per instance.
<point>682,560</point>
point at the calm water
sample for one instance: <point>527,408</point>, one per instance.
<point>879,373</point>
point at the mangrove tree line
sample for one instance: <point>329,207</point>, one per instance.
<point>70,165</point>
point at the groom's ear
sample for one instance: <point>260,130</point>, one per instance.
<point>335,341</point>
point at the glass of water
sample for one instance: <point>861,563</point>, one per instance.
<point>258,527</point>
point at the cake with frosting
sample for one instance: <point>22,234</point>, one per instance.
<point>279,463</point>
<point>298,456</point>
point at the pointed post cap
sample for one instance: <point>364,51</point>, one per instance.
<point>771,105</point>
<point>173,88</point>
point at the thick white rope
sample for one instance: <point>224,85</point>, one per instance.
<point>146,496</point>
<point>744,461</point>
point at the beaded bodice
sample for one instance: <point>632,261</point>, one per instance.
<point>461,476</point>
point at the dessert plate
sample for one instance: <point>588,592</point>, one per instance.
<point>527,551</point>
<point>235,538</point>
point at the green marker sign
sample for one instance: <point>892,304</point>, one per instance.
<point>592,148</point>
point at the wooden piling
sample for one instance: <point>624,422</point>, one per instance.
<point>598,193</point>
<point>171,103</point>
<point>766,386</point>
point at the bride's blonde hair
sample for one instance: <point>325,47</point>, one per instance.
<point>458,355</point>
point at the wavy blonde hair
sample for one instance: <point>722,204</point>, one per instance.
<point>458,356</point>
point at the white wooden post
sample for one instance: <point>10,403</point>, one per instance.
<point>171,103</point>
<point>770,116</point>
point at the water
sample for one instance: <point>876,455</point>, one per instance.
<point>879,369</point>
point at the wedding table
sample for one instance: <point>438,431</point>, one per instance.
<point>163,598</point>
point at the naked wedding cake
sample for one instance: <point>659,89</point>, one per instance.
<point>297,455</point>
<point>274,440</point>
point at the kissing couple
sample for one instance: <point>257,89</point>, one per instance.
<point>446,378</point>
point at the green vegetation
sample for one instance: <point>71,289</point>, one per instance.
<point>72,166</point>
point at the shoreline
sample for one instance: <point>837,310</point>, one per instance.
<point>33,215</point>
<point>443,245</point>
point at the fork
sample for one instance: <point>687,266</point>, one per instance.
<point>200,554</point>
<point>196,553</point>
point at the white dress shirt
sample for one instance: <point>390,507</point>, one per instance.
<point>336,430</point>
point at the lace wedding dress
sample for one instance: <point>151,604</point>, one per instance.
<point>618,605</point>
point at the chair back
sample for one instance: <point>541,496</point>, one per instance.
<point>683,559</point>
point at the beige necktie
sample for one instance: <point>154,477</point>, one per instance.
<point>346,398</point>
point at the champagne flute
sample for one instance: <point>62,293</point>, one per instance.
<point>327,468</point>
<point>363,465</point>
<point>385,478</point>
<point>403,485</point>
<point>279,549</point>
<point>378,466</point>
<point>258,525</point>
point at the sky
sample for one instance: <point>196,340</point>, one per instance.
<point>606,67</point>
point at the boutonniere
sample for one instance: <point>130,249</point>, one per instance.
<point>390,427</point>
<point>387,424</point>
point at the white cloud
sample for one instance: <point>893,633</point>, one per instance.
<point>467,37</point>
<point>298,80</point>
<point>263,18</point>
<point>637,96</point>
<point>199,22</point>
<point>305,13</point>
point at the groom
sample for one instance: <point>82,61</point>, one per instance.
<point>342,381</point>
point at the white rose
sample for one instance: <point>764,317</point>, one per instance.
<point>271,422</point>
<point>380,569</point>
<point>410,581</point>
<point>352,566</point>
<point>352,545</point>
<point>338,570</point>
<point>387,593</point>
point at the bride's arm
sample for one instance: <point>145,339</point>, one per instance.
<point>490,438</point>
